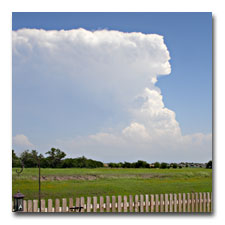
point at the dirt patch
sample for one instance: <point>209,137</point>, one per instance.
<point>67,177</point>
<point>100,176</point>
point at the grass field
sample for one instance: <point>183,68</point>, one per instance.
<point>66,183</point>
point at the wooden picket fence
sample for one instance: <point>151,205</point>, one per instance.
<point>186,202</point>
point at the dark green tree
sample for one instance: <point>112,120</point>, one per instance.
<point>15,160</point>
<point>209,165</point>
<point>55,157</point>
<point>156,165</point>
<point>29,159</point>
<point>164,165</point>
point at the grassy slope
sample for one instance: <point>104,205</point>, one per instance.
<point>113,182</point>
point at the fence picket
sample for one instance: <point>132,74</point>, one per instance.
<point>204,202</point>
<point>208,202</point>
<point>64,204</point>
<point>71,204</point>
<point>29,206</point>
<point>179,203</point>
<point>136,208</point>
<point>94,204</point>
<point>196,202</point>
<point>171,202</point>
<point>192,202</point>
<point>211,202</point>
<point>175,202</point>
<point>49,205</point>
<point>107,204</point>
<point>166,202</point>
<point>188,202</point>
<point>200,202</point>
<point>119,206</point>
<point>156,203</point>
<point>101,204</point>
<point>161,203</point>
<point>24,205</point>
<point>42,205</point>
<point>184,202</point>
<point>125,203</point>
<point>57,205</point>
<point>146,203</point>
<point>88,204</point>
<point>152,203</point>
<point>82,201</point>
<point>141,203</point>
<point>113,203</point>
<point>130,203</point>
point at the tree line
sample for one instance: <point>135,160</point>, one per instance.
<point>55,158</point>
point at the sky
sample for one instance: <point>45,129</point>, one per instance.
<point>113,86</point>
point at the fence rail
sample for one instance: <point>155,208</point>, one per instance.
<point>185,202</point>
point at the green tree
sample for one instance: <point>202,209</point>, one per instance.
<point>209,165</point>
<point>164,165</point>
<point>174,165</point>
<point>55,157</point>
<point>15,160</point>
<point>29,159</point>
<point>156,165</point>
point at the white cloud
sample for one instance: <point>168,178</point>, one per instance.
<point>119,71</point>
<point>20,140</point>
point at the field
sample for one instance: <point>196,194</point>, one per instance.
<point>66,183</point>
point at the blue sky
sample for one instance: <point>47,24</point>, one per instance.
<point>187,91</point>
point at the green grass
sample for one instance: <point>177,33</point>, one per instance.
<point>106,181</point>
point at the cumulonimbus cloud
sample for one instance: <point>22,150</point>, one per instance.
<point>120,70</point>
